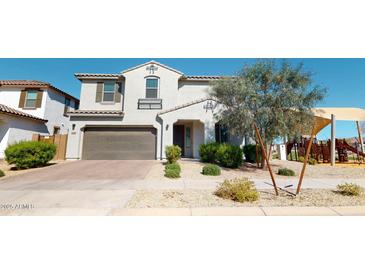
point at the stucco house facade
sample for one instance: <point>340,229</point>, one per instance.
<point>135,114</point>
<point>28,107</point>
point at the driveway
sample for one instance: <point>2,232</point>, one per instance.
<point>72,188</point>
<point>79,174</point>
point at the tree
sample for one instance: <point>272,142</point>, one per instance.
<point>277,98</point>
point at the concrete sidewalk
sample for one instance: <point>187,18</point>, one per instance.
<point>243,211</point>
<point>206,211</point>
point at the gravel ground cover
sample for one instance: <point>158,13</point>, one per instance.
<point>206,198</point>
<point>191,169</point>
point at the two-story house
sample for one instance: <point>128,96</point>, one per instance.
<point>28,107</point>
<point>136,113</point>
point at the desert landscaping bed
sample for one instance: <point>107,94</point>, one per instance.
<point>191,169</point>
<point>206,198</point>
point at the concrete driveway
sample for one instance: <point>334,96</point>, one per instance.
<point>72,188</point>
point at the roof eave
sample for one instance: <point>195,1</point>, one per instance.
<point>92,76</point>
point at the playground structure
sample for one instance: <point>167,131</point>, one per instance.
<point>322,118</point>
<point>321,150</point>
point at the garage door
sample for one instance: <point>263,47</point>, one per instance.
<point>108,143</point>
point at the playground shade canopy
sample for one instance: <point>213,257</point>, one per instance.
<point>323,116</point>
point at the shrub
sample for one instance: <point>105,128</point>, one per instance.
<point>250,153</point>
<point>239,190</point>
<point>286,172</point>
<point>301,159</point>
<point>172,170</point>
<point>28,154</point>
<point>349,189</point>
<point>229,155</point>
<point>175,166</point>
<point>2,174</point>
<point>172,173</point>
<point>312,161</point>
<point>211,169</point>
<point>208,152</point>
<point>173,153</point>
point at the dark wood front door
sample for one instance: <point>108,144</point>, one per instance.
<point>178,139</point>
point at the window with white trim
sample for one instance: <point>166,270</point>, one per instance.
<point>152,85</point>
<point>109,92</point>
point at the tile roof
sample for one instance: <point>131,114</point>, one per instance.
<point>96,112</point>
<point>8,110</point>
<point>185,105</point>
<point>201,77</point>
<point>34,84</point>
<point>81,76</point>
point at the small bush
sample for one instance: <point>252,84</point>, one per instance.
<point>172,170</point>
<point>239,190</point>
<point>175,166</point>
<point>28,154</point>
<point>286,172</point>
<point>173,153</point>
<point>301,159</point>
<point>349,189</point>
<point>229,155</point>
<point>250,153</point>
<point>211,169</point>
<point>208,152</point>
<point>172,173</point>
<point>312,161</point>
<point>2,174</point>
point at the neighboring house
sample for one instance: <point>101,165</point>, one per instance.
<point>28,107</point>
<point>136,113</point>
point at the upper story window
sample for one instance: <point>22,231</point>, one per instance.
<point>109,92</point>
<point>31,98</point>
<point>152,85</point>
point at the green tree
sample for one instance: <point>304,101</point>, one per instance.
<point>276,97</point>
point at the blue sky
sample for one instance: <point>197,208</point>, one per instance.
<point>344,78</point>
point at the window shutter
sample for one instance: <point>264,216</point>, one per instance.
<point>118,93</point>
<point>99,92</point>
<point>38,102</point>
<point>23,93</point>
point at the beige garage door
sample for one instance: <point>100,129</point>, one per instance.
<point>108,143</point>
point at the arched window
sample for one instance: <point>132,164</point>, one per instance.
<point>152,87</point>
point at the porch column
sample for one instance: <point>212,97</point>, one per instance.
<point>333,140</point>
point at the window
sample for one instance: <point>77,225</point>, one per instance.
<point>151,87</point>
<point>221,133</point>
<point>77,105</point>
<point>109,92</point>
<point>31,98</point>
<point>67,105</point>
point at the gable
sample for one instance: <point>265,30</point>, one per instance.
<point>152,68</point>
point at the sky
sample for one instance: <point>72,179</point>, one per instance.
<point>343,78</point>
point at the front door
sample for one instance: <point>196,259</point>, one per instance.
<point>179,137</point>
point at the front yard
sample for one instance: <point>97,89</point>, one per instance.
<point>191,170</point>
<point>206,198</point>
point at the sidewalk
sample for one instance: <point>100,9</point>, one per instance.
<point>243,211</point>
<point>203,211</point>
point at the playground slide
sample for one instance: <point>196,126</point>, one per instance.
<point>351,148</point>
